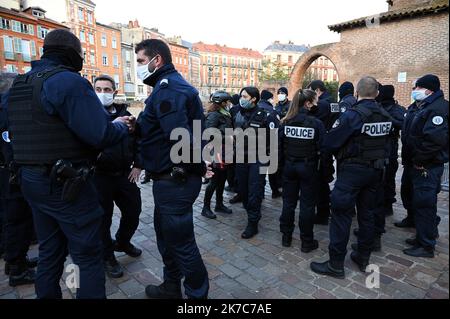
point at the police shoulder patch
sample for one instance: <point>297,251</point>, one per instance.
<point>437,120</point>
<point>5,137</point>
<point>165,106</point>
<point>164,83</point>
<point>337,123</point>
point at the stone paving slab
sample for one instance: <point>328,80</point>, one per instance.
<point>261,268</point>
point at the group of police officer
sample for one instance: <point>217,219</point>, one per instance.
<point>74,153</point>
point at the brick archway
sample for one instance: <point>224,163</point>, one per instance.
<point>330,51</point>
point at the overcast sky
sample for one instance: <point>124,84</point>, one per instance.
<point>241,23</point>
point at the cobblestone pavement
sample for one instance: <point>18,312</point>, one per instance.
<point>262,268</point>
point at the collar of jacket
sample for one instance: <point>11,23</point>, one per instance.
<point>154,78</point>
<point>433,97</point>
<point>388,102</point>
<point>325,95</point>
<point>367,102</point>
<point>284,103</point>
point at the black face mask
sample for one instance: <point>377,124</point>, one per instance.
<point>314,108</point>
<point>67,55</point>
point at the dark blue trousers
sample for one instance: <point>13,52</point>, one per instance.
<point>65,227</point>
<point>174,227</point>
<point>424,203</point>
<point>407,190</point>
<point>251,188</point>
<point>127,197</point>
<point>355,185</point>
<point>299,177</point>
<point>17,221</point>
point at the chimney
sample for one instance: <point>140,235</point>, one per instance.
<point>136,23</point>
<point>130,24</point>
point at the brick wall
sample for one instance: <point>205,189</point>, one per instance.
<point>416,46</point>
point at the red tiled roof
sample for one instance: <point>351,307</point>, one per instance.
<point>216,48</point>
<point>30,17</point>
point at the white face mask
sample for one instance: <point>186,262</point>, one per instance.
<point>419,95</point>
<point>143,72</point>
<point>107,99</point>
<point>281,97</point>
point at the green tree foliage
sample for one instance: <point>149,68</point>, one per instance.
<point>273,71</point>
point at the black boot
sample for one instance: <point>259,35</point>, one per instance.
<point>412,241</point>
<point>167,290</point>
<point>20,274</point>
<point>327,269</point>
<point>112,268</point>
<point>221,208</point>
<point>30,262</point>
<point>207,212</point>
<point>309,246</point>
<point>236,199</point>
<point>286,240</point>
<point>127,248</point>
<point>250,231</point>
<point>419,251</point>
<point>359,260</point>
<point>405,223</point>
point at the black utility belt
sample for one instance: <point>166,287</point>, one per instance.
<point>175,174</point>
<point>378,164</point>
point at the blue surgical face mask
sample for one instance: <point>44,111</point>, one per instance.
<point>419,95</point>
<point>245,104</point>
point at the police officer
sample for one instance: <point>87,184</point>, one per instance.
<point>266,104</point>
<point>386,192</point>
<point>54,143</point>
<point>406,187</point>
<point>359,141</point>
<point>300,139</point>
<point>397,112</point>
<point>231,178</point>
<point>250,180</point>
<point>426,130</point>
<point>117,170</point>
<point>328,113</point>
<point>283,104</point>
<point>346,96</point>
<point>173,104</point>
<point>218,118</point>
<point>17,218</point>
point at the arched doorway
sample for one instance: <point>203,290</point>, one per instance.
<point>326,53</point>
